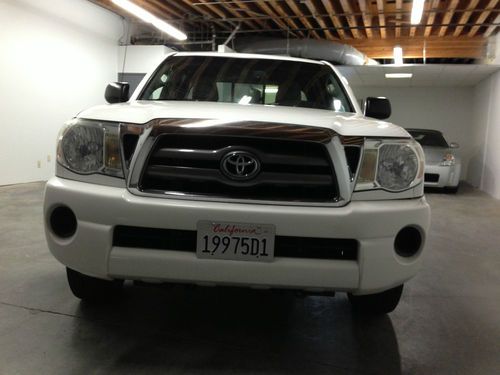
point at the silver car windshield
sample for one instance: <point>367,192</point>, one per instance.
<point>429,138</point>
<point>247,81</point>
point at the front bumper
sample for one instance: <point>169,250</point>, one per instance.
<point>98,209</point>
<point>448,175</point>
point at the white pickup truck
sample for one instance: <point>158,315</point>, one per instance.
<point>244,170</point>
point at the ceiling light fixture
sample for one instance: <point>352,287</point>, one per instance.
<point>416,11</point>
<point>398,75</point>
<point>150,18</point>
<point>398,55</point>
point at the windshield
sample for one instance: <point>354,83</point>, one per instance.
<point>247,81</point>
<point>429,138</point>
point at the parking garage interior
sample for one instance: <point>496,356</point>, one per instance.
<point>57,58</point>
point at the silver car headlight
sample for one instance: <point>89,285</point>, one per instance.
<point>90,147</point>
<point>391,165</point>
<point>448,160</point>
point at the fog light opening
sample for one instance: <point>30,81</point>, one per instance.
<point>63,222</point>
<point>408,242</point>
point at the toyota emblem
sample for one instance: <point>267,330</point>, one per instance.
<point>240,165</point>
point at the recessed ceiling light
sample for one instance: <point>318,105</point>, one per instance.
<point>416,11</point>
<point>398,75</point>
<point>150,18</point>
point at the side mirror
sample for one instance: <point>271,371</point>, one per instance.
<point>379,108</point>
<point>117,92</point>
<point>454,145</point>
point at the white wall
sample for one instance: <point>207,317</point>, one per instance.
<point>447,109</point>
<point>485,136</point>
<point>141,59</point>
<point>56,57</point>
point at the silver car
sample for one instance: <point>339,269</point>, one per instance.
<point>442,164</point>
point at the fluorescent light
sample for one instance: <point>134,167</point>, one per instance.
<point>398,75</point>
<point>337,105</point>
<point>150,18</point>
<point>398,55</point>
<point>271,89</point>
<point>416,11</point>
<point>246,99</point>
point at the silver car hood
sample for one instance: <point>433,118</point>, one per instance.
<point>434,155</point>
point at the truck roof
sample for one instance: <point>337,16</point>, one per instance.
<point>247,56</point>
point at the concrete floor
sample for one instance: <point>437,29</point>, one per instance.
<point>448,321</point>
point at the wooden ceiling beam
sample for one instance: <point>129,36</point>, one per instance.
<point>335,20</point>
<point>249,11</point>
<point>367,17</point>
<point>279,22</point>
<point>465,17</point>
<point>305,21</point>
<point>482,17</point>
<point>221,11</point>
<point>431,17</point>
<point>351,20</point>
<point>399,8</point>
<point>208,13</point>
<point>381,18</point>
<point>314,11</point>
<point>452,5</point>
<point>291,23</point>
<point>492,28</point>
<point>436,47</point>
<point>159,9</point>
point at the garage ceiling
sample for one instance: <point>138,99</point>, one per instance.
<point>449,28</point>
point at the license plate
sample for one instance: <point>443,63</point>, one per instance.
<point>235,241</point>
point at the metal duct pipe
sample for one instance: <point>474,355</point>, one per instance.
<point>334,52</point>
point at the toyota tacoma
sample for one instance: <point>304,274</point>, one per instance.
<point>241,170</point>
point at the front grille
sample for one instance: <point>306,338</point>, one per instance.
<point>353,156</point>
<point>431,177</point>
<point>290,170</point>
<point>284,246</point>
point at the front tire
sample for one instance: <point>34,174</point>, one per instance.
<point>90,288</point>
<point>378,303</point>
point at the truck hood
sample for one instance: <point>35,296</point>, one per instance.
<point>140,112</point>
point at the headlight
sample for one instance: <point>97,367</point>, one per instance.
<point>88,147</point>
<point>392,165</point>
<point>448,160</point>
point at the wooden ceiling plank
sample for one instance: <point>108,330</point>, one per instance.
<point>250,12</point>
<point>277,8</point>
<point>436,47</point>
<point>431,17</point>
<point>208,13</point>
<point>492,28</point>
<point>314,11</point>
<point>160,9</point>
<point>335,20</point>
<point>452,5</point>
<point>282,25</point>
<point>465,17</point>
<point>367,18</point>
<point>296,10</point>
<point>351,20</point>
<point>229,8</point>
<point>399,8</point>
<point>381,18</point>
<point>482,17</point>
